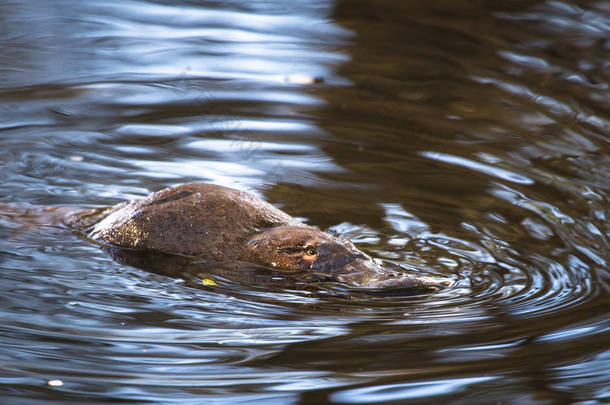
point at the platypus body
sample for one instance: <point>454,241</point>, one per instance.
<point>223,225</point>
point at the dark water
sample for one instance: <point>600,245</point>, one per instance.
<point>467,140</point>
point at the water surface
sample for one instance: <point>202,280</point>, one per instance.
<point>459,140</point>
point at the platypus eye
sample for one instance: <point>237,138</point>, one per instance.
<point>311,251</point>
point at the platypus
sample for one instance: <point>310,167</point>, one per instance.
<point>223,225</point>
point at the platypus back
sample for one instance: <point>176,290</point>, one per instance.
<point>195,219</point>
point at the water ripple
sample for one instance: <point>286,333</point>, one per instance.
<point>475,151</point>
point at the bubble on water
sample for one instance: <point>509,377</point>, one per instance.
<point>302,79</point>
<point>55,383</point>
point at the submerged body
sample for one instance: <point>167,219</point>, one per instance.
<point>224,225</point>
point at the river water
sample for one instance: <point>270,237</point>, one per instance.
<point>467,140</point>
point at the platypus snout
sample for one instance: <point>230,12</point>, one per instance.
<point>369,273</point>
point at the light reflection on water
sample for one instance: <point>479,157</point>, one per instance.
<point>476,150</point>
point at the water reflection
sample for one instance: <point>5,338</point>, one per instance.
<point>393,392</point>
<point>460,140</point>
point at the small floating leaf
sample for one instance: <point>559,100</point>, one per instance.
<point>208,281</point>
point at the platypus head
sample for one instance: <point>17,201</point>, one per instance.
<point>299,248</point>
<point>305,249</point>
